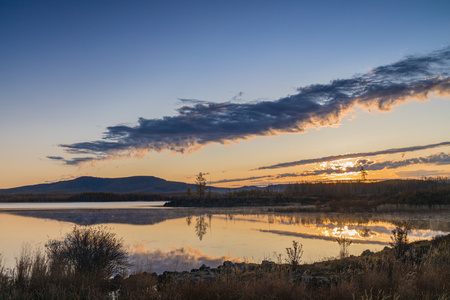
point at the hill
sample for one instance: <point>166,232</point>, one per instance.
<point>135,184</point>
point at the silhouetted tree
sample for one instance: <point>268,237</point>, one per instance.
<point>188,191</point>
<point>200,185</point>
<point>363,173</point>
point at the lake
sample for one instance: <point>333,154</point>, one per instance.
<point>166,239</point>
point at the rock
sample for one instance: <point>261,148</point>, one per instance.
<point>366,253</point>
<point>227,267</point>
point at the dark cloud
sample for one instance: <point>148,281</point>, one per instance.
<point>192,101</point>
<point>238,97</point>
<point>244,179</point>
<point>353,155</point>
<point>74,161</point>
<point>55,157</point>
<point>79,160</point>
<point>202,123</point>
<point>434,159</point>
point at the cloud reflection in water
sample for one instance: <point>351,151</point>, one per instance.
<point>175,259</point>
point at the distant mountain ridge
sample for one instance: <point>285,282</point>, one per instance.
<point>134,184</point>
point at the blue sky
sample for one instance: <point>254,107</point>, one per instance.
<point>71,70</point>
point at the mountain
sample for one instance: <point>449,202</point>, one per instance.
<point>135,184</point>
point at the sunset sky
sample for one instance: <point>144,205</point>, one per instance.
<point>248,92</point>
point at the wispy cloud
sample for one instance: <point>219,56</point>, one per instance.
<point>55,157</point>
<point>353,155</point>
<point>202,123</point>
<point>419,173</point>
<point>369,165</point>
<point>434,159</point>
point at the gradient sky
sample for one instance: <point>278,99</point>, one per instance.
<point>249,92</point>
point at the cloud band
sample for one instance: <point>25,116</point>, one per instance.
<point>202,123</point>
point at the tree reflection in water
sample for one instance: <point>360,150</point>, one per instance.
<point>201,227</point>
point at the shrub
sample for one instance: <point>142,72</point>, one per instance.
<point>399,239</point>
<point>344,243</point>
<point>88,251</point>
<point>294,253</point>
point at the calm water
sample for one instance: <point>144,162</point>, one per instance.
<point>160,239</point>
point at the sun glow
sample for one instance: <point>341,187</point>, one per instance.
<point>341,164</point>
<point>343,231</point>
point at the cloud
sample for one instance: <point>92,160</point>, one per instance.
<point>421,173</point>
<point>369,165</point>
<point>201,123</point>
<point>243,179</point>
<point>434,159</point>
<point>192,101</point>
<point>55,157</point>
<point>238,97</point>
<point>353,155</point>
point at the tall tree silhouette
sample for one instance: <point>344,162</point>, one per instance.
<point>363,173</point>
<point>200,185</point>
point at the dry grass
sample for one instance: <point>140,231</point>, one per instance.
<point>377,276</point>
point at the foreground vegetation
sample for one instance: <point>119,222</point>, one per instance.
<point>81,266</point>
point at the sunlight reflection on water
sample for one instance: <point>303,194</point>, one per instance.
<point>161,239</point>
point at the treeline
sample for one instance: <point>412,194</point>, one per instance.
<point>83,197</point>
<point>337,195</point>
<point>346,188</point>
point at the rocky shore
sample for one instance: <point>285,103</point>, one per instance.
<point>241,270</point>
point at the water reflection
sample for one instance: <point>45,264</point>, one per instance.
<point>179,239</point>
<point>133,216</point>
<point>174,259</point>
<point>201,227</point>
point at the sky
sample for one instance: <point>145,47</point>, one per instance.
<point>246,92</point>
